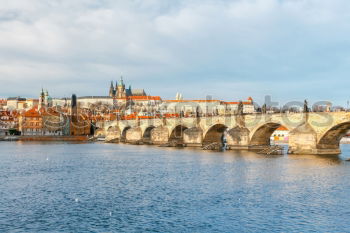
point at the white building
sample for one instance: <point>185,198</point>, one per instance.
<point>16,103</point>
<point>215,107</point>
<point>281,134</point>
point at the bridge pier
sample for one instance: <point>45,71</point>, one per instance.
<point>133,135</point>
<point>313,151</point>
<point>328,148</point>
<point>328,151</point>
<point>113,135</point>
<point>193,137</point>
<point>238,138</point>
<point>160,135</point>
<point>112,138</point>
<point>303,140</point>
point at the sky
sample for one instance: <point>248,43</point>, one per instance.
<point>289,49</point>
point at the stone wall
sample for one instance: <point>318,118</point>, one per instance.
<point>160,135</point>
<point>193,136</point>
<point>113,134</point>
<point>238,138</point>
<point>303,140</point>
<point>134,135</point>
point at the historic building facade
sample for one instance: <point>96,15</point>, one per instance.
<point>41,122</point>
<point>8,122</point>
<point>206,107</point>
<point>121,92</point>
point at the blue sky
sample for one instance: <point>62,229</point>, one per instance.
<point>289,49</point>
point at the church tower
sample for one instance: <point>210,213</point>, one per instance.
<point>121,93</point>
<point>46,98</point>
<point>111,90</point>
<point>41,100</point>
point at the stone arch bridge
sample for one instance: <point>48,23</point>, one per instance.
<point>309,133</point>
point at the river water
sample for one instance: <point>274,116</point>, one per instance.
<point>96,187</point>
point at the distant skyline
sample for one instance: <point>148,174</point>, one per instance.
<point>291,50</point>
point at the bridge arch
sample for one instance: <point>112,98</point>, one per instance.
<point>123,134</point>
<point>146,136</point>
<point>215,133</point>
<point>113,129</point>
<point>261,136</point>
<point>177,133</point>
<point>112,134</point>
<point>331,138</point>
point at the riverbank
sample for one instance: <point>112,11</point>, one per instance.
<point>44,138</point>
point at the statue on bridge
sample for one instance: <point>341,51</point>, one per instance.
<point>197,112</point>
<point>263,109</point>
<point>306,108</point>
<point>182,113</point>
<point>240,108</point>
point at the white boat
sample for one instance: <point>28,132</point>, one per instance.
<point>101,139</point>
<point>11,138</point>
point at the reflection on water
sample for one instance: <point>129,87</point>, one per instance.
<point>111,187</point>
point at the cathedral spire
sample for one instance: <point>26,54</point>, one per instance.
<point>121,81</point>
<point>111,90</point>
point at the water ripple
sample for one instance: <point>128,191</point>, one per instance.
<point>58,187</point>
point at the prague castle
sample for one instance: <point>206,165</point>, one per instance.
<point>121,92</point>
<point>118,96</point>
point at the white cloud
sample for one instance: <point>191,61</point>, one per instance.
<point>161,43</point>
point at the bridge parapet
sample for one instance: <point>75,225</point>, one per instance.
<point>314,133</point>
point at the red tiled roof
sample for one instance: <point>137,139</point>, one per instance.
<point>187,101</point>
<point>144,97</point>
<point>247,103</point>
<point>33,112</point>
<point>140,98</point>
<point>282,128</point>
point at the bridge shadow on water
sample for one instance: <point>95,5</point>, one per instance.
<point>232,155</point>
